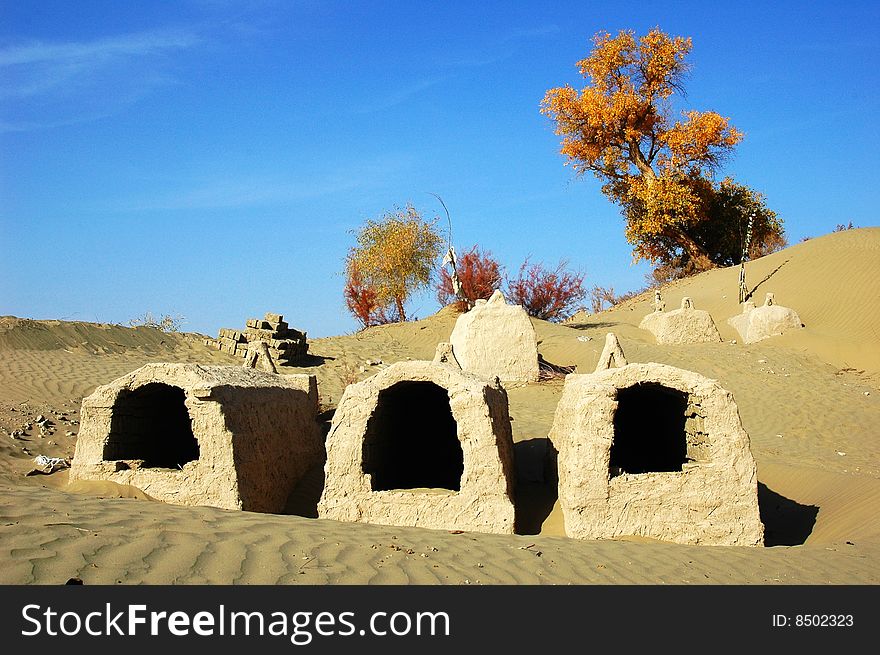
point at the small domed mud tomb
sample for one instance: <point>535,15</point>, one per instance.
<point>759,323</point>
<point>654,451</point>
<point>224,436</point>
<point>683,325</point>
<point>421,444</point>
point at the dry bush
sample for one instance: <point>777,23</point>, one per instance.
<point>166,322</point>
<point>602,298</point>
<point>349,374</point>
<point>665,273</point>
<point>840,227</point>
<point>552,295</point>
<point>479,274</point>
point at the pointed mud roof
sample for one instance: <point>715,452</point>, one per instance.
<point>421,444</point>
<point>759,323</point>
<point>495,339</point>
<point>654,451</point>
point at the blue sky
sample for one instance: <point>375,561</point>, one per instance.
<point>209,159</point>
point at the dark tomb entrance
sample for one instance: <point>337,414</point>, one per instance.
<point>151,425</point>
<point>649,430</point>
<point>411,440</point>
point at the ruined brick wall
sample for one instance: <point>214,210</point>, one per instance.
<point>287,346</point>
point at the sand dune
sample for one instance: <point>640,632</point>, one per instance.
<point>833,282</point>
<point>809,401</point>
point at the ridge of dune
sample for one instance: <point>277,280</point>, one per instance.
<point>101,338</point>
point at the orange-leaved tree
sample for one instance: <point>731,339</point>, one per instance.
<point>737,225</point>
<point>620,128</point>
<point>395,256</point>
<point>479,275</point>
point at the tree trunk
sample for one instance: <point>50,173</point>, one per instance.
<point>697,254</point>
<point>400,311</point>
<point>637,158</point>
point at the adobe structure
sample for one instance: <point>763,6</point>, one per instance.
<point>285,345</point>
<point>421,444</point>
<point>683,325</point>
<point>654,451</point>
<point>224,436</point>
<point>758,323</point>
<point>495,339</point>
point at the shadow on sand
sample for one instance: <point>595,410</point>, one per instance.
<point>536,483</point>
<point>786,521</point>
<point>592,326</point>
<point>767,277</point>
<point>303,500</point>
<point>313,360</point>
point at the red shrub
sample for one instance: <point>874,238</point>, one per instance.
<point>361,301</point>
<point>479,275</point>
<point>552,295</point>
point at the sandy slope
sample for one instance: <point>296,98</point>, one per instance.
<point>809,401</point>
<point>833,282</point>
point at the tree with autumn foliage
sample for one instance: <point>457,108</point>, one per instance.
<point>738,225</point>
<point>548,294</point>
<point>362,299</point>
<point>733,209</point>
<point>394,257</point>
<point>659,170</point>
<point>479,275</point>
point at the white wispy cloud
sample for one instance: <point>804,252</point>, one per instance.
<point>230,193</point>
<point>29,126</point>
<point>501,47</point>
<point>498,48</point>
<point>98,51</point>
<point>50,84</point>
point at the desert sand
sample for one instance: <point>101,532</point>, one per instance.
<point>810,401</point>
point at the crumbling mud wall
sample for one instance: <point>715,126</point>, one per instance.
<point>189,434</point>
<point>285,345</point>
<point>421,444</point>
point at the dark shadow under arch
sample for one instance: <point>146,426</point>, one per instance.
<point>649,429</point>
<point>411,439</point>
<point>151,425</point>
